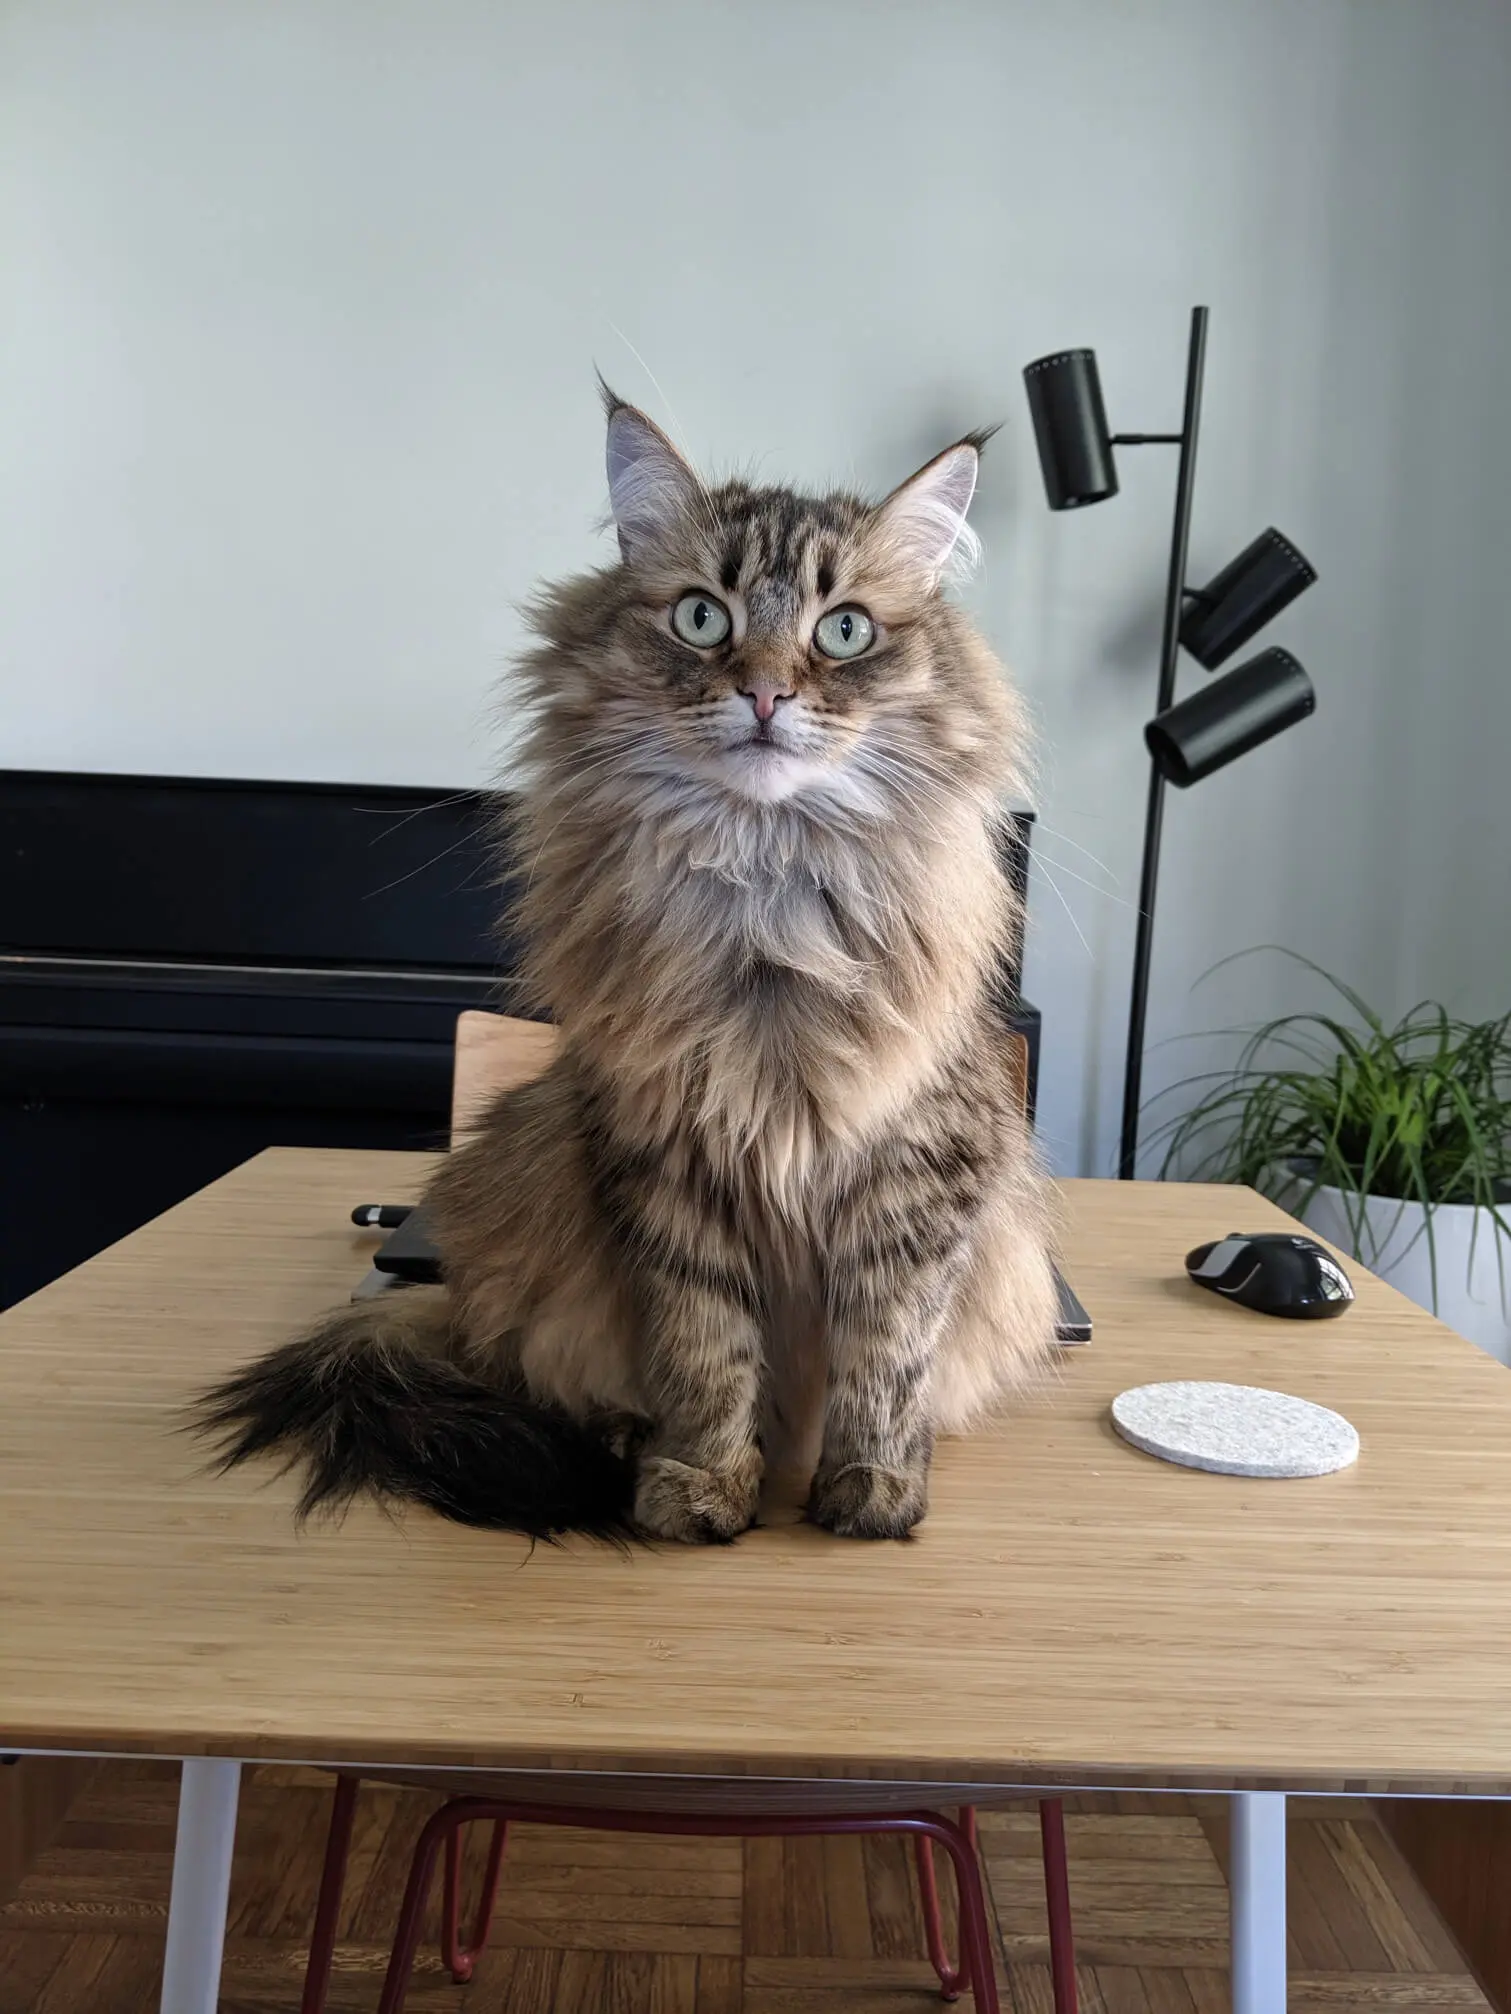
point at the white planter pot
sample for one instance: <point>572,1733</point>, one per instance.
<point>1473,1260</point>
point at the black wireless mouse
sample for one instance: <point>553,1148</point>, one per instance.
<point>1274,1273</point>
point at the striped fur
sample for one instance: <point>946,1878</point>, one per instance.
<point>775,1199</point>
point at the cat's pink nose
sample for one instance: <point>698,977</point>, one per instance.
<point>763,696</point>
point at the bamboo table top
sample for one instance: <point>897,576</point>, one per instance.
<point>1070,1611</point>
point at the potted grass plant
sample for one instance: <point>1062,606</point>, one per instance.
<point>1391,1142</point>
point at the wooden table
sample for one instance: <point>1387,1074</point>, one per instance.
<point>1071,1612</point>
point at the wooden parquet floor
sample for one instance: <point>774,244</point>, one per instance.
<point>604,1924</point>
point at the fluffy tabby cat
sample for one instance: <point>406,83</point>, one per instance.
<point>775,1194</point>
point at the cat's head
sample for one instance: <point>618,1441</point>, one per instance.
<point>771,646</point>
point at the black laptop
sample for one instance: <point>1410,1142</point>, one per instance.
<point>408,1254</point>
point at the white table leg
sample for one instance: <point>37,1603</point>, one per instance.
<point>1256,1835</point>
<point>207,1794</point>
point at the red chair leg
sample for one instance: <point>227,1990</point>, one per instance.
<point>451,1901</point>
<point>976,1959</point>
<point>1062,1943</point>
<point>461,1959</point>
<point>338,1840</point>
<point>953,1979</point>
<point>441,1826</point>
<point>977,1963</point>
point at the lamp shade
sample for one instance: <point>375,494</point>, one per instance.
<point>1070,426</point>
<point>1251,590</point>
<point>1229,717</point>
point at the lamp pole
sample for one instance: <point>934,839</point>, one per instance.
<point>1185,483</point>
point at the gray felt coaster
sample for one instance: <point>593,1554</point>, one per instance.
<point>1235,1430</point>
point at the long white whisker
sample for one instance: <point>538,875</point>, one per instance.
<point>437,804</point>
<point>679,435</point>
<point>1051,833</point>
<point>1054,885</point>
<point>423,868</point>
<point>910,781</point>
<point>678,431</point>
<point>1095,886</point>
<point>613,757</point>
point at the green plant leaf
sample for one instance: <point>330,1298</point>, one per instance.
<point>1419,1111</point>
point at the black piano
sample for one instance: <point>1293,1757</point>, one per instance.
<point>192,970</point>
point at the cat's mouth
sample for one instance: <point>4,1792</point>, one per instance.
<point>760,746</point>
<point>765,767</point>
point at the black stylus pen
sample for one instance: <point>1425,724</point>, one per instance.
<point>381,1216</point>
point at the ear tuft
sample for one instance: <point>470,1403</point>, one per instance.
<point>925,516</point>
<point>651,488</point>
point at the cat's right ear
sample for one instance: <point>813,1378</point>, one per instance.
<point>652,491</point>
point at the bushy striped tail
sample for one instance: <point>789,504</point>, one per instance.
<point>369,1403</point>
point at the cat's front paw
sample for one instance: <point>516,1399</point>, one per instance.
<point>861,1501</point>
<point>695,1506</point>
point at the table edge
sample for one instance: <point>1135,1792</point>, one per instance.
<point>941,1772</point>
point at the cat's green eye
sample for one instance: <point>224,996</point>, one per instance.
<point>701,621</point>
<point>844,632</point>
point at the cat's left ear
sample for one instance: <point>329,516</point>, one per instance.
<point>651,488</point>
<point>924,518</point>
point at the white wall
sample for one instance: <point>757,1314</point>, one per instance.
<point>301,305</point>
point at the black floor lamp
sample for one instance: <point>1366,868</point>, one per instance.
<point>1221,721</point>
